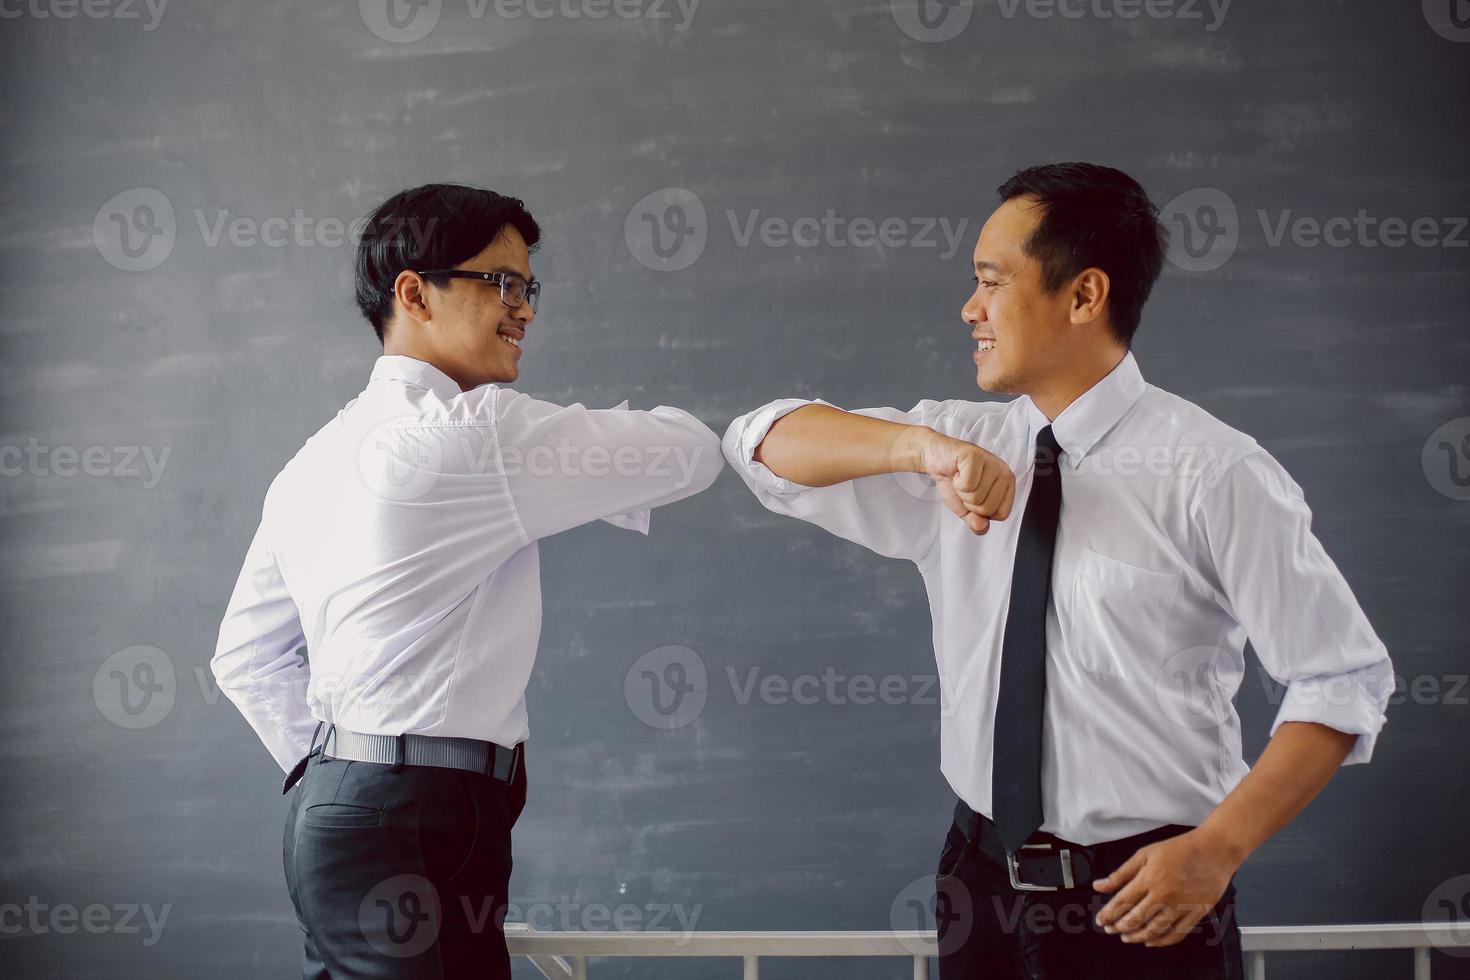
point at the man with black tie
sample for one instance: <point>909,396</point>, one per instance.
<point>1112,548</point>
<point>400,547</point>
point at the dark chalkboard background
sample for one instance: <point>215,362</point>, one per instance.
<point>131,329</point>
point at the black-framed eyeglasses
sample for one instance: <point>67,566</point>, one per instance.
<point>514,290</point>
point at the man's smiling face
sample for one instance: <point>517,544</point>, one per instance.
<point>473,330</point>
<point>1021,331</point>
<point>463,327</point>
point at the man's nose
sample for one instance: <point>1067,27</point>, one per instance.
<point>973,311</point>
<point>524,315</point>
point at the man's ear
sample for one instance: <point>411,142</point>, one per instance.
<point>1089,295</point>
<point>412,296</point>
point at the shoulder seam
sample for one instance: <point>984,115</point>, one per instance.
<point>1219,479</point>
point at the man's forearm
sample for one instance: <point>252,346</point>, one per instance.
<point>818,446</point>
<point>1296,764</point>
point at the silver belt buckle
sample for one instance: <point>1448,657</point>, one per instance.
<point>1014,868</point>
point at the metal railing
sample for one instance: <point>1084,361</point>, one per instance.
<point>564,955</point>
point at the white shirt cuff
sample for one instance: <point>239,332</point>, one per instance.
<point>746,432</point>
<point>1351,702</point>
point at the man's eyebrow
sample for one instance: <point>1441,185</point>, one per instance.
<point>985,264</point>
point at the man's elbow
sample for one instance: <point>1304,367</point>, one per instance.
<point>228,667</point>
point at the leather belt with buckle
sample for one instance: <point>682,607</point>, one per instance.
<point>449,752</point>
<point>1036,865</point>
<point>1048,863</point>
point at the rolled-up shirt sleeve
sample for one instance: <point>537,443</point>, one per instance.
<point>893,514</point>
<point>569,465</point>
<point>1302,619</point>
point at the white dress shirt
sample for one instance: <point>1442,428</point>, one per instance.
<point>1179,537</point>
<point>399,545</point>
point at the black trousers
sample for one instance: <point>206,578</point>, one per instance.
<point>401,874</point>
<point>990,931</point>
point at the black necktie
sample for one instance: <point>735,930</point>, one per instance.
<point>1015,779</point>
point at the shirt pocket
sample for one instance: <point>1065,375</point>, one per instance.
<point>1120,616</point>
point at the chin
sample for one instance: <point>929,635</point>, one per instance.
<point>993,383</point>
<point>500,374</point>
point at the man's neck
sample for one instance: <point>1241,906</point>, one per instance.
<point>1063,391</point>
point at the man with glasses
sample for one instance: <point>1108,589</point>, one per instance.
<point>399,546</point>
<point>1113,546</point>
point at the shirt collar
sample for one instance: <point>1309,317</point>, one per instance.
<point>411,370</point>
<point>1082,423</point>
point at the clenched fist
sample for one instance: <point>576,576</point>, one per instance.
<point>976,485</point>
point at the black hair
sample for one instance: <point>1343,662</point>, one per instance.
<point>1094,217</point>
<point>436,226</point>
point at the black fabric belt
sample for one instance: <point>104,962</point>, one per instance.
<point>1049,863</point>
<point>410,749</point>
